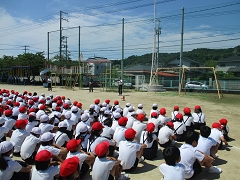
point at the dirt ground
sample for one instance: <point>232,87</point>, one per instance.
<point>228,156</point>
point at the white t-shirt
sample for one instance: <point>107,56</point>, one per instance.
<point>3,130</point>
<point>198,117</point>
<point>15,111</point>
<point>173,114</point>
<point>53,150</point>
<point>13,166</point>
<point>140,111</point>
<point>216,135</point>
<point>144,140</point>
<point>187,120</point>
<point>127,153</point>
<point>60,138</point>
<point>172,172</point>
<point>74,118</point>
<point>164,134</point>
<point>101,168</point>
<point>119,134</point>
<point>107,132</point>
<point>81,156</point>
<point>22,116</point>
<point>28,146</point>
<point>179,127</point>
<point>31,125</point>
<point>130,122</point>
<point>205,144</point>
<point>125,111</point>
<point>115,125</point>
<point>156,122</point>
<point>9,123</point>
<point>163,119</point>
<point>70,123</point>
<point>138,127</point>
<point>96,142</point>
<point>17,138</point>
<point>188,156</point>
<point>45,127</point>
<point>48,174</point>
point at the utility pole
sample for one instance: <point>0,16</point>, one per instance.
<point>25,49</point>
<point>181,52</point>
<point>60,48</point>
<point>158,34</point>
<point>122,48</point>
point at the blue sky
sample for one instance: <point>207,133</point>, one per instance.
<point>208,24</point>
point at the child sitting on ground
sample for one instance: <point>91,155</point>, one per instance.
<point>217,135</point>
<point>225,128</point>
<point>171,169</point>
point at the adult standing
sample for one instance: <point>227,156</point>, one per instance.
<point>90,84</point>
<point>120,84</point>
<point>49,80</point>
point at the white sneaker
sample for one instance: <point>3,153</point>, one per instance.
<point>123,177</point>
<point>215,156</point>
<point>141,159</point>
<point>214,170</point>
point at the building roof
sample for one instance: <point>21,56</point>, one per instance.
<point>234,69</point>
<point>98,60</point>
<point>230,59</point>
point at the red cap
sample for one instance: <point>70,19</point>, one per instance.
<point>42,107</point>
<point>170,124</point>
<point>72,144</point>
<point>223,121</point>
<point>43,155</point>
<point>31,102</point>
<point>179,116</point>
<point>154,114</point>
<point>130,133</point>
<point>75,103</point>
<point>22,109</point>
<point>187,110</point>
<point>150,127</point>
<point>63,97</point>
<point>69,166</point>
<point>116,102</point>
<point>9,102</point>
<point>58,108</point>
<point>21,123</point>
<point>42,101</point>
<point>216,125</point>
<point>8,112</point>
<point>55,99</point>
<point>107,101</point>
<point>29,93</point>
<point>197,107</point>
<point>122,121</point>
<point>163,111</point>
<point>79,105</point>
<point>175,108</point>
<point>102,148</point>
<point>97,101</point>
<point>65,106</point>
<point>59,102</point>
<point>97,126</point>
<point>35,99</point>
<point>31,110</point>
<point>140,116</point>
<point>16,104</point>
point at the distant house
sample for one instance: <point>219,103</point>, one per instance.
<point>230,64</point>
<point>97,65</point>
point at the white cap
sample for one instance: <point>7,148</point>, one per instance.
<point>82,127</point>
<point>130,108</point>
<point>119,110</point>
<point>44,118</point>
<point>68,101</point>
<point>116,115</point>
<point>62,124</point>
<point>32,114</point>
<point>58,114</point>
<point>6,146</point>
<point>84,117</point>
<point>43,94</point>
<point>54,105</point>
<point>47,136</point>
<point>2,120</point>
<point>104,104</point>
<point>92,106</point>
<point>68,115</point>
<point>86,111</point>
<point>36,130</point>
<point>133,113</point>
<point>50,95</point>
<point>140,106</point>
<point>155,105</point>
<point>128,104</point>
<point>74,109</point>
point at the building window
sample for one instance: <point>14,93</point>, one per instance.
<point>97,67</point>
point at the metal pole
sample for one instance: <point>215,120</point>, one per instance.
<point>47,49</point>
<point>122,48</point>
<point>60,40</point>
<point>181,52</point>
<point>79,59</point>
